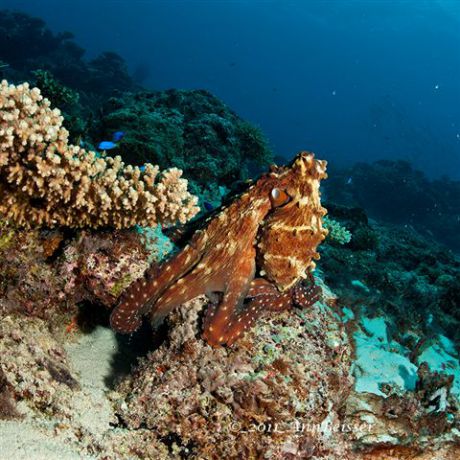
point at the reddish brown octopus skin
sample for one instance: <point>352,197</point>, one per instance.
<point>272,229</point>
<point>263,296</point>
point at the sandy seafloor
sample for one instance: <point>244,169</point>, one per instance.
<point>28,440</point>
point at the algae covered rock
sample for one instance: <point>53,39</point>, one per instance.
<point>278,391</point>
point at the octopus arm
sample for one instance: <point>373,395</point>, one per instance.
<point>143,293</point>
<point>225,321</point>
<point>305,296</point>
<point>264,296</point>
<point>184,289</point>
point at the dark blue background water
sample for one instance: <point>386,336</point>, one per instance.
<point>352,81</point>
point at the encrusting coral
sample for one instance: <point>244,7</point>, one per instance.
<point>259,248</point>
<point>44,180</point>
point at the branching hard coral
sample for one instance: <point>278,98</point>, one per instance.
<point>337,232</point>
<point>44,180</point>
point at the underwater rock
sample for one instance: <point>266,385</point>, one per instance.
<point>288,388</point>
<point>34,367</point>
<point>29,284</point>
<point>48,274</point>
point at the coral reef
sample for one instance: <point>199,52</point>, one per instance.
<point>396,271</point>
<point>28,284</point>
<point>26,44</point>
<point>46,181</point>
<point>58,94</point>
<point>394,192</point>
<point>268,235</point>
<point>50,274</point>
<point>191,130</point>
<point>98,266</point>
<point>367,368</point>
<point>76,116</point>
<point>299,384</point>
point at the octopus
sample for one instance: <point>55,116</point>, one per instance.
<point>253,256</point>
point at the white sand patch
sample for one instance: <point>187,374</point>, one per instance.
<point>43,438</point>
<point>91,358</point>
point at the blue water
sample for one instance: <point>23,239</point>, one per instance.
<point>352,81</point>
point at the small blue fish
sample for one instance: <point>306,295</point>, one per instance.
<point>118,136</point>
<point>106,145</point>
<point>142,168</point>
<point>208,206</point>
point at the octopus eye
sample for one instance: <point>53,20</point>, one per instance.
<point>279,197</point>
